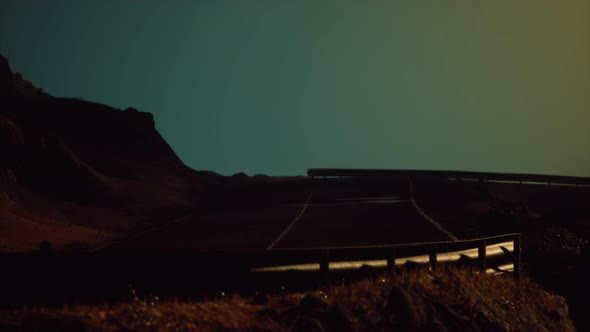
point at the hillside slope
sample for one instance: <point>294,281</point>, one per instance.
<point>78,173</point>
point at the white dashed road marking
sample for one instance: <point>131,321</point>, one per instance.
<point>274,243</point>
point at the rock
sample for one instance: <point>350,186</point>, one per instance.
<point>14,84</point>
<point>79,151</point>
<point>88,154</point>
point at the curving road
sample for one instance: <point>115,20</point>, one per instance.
<point>319,213</point>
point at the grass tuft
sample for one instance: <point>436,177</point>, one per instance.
<point>446,299</point>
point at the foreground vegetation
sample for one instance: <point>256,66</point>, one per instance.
<point>447,299</point>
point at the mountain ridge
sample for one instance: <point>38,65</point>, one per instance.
<point>72,169</point>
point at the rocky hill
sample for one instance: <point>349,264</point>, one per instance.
<point>79,174</point>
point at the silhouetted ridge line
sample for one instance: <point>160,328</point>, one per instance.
<point>68,161</point>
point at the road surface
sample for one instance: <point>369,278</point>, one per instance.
<point>321,213</point>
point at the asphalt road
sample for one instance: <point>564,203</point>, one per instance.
<point>319,214</point>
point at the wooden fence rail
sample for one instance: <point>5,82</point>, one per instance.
<point>97,276</point>
<point>283,259</point>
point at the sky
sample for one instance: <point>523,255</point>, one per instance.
<point>276,87</point>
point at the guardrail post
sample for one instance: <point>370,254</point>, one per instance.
<point>516,254</point>
<point>391,260</point>
<point>432,256</point>
<point>325,262</point>
<point>481,255</point>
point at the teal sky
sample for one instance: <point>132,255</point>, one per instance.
<point>277,87</point>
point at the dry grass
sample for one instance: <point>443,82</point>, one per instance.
<point>447,299</point>
<point>452,299</point>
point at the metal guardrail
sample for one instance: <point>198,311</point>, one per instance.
<point>324,256</point>
<point>403,174</point>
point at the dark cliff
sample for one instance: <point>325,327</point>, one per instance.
<point>62,159</point>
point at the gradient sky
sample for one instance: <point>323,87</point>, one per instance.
<point>277,87</point>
